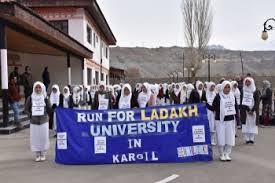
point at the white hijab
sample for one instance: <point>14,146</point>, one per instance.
<point>251,88</point>
<point>236,91</point>
<point>198,83</point>
<point>66,95</point>
<point>144,97</point>
<point>76,95</point>
<point>183,93</point>
<point>225,97</point>
<point>177,90</point>
<point>54,97</point>
<point>39,98</point>
<point>125,99</point>
<point>210,95</point>
<point>190,87</point>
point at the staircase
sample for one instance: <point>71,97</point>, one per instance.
<point>23,119</point>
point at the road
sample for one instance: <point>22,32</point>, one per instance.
<point>251,163</point>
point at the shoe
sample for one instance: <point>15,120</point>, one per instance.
<point>43,157</point>
<point>38,158</point>
<point>227,157</point>
<point>247,142</point>
<point>222,157</point>
<point>251,142</point>
<point>213,143</point>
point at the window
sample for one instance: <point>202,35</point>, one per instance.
<point>96,78</point>
<point>62,25</point>
<point>102,77</point>
<point>89,76</point>
<point>107,79</point>
<point>94,39</point>
<point>106,52</point>
<point>89,34</point>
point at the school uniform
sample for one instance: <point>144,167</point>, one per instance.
<point>210,96</point>
<point>224,106</point>
<point>38,107</point>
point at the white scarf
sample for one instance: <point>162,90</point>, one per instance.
<point>54,97</point>
<point>225,97</point>
<point>125,100</point>
<point>210,95</point>
<point>39,98</point>
<point>249,89</point>
<point>143,98</point>
<point>76,95</point>
<point>177,90</point>
<point>190,87</point>
<point>198,83</point>
<point>66,98</point>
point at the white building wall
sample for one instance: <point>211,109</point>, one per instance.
<point>57,66</point>
<point>76,29</point>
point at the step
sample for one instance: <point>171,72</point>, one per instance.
<point>12,129</point>
<point>11,113</point>
<point>22,117</point>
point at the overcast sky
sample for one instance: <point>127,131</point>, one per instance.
<point>152,23</point>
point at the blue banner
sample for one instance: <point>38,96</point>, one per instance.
<point>176,133</point>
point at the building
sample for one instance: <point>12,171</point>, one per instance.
<point>70,37</point>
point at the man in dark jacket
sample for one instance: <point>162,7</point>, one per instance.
<point>27,82</point>
<point>46,78</point>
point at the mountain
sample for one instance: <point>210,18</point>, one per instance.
<point>140,62</point>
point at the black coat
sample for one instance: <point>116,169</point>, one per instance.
<point>61,99</point>
<point>195,97</point>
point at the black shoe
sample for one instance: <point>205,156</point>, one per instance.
<point>251,142</point>
<point>247,142</point>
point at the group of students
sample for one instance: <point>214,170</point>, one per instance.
<point>226,104</point>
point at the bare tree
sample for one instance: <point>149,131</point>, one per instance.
<point>197,21</point>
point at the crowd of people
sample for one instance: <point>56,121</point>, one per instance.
<point>230,105</point>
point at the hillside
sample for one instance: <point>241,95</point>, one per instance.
<point>157,62</point>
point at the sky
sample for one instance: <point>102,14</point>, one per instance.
<point>237,24</point>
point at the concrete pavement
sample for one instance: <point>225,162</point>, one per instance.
<point>251,163</point>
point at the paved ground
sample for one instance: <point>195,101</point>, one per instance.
<point>253,164</point>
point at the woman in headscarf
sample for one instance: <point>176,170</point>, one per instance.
<point>198,94</point>
<point>267,103</point>
<point>144,96</point>
<point>66,99</point>
<point>224,106</point>
<point>190,88</point>
<point>54,100</point>
<point>166,94</point>
<point>183,94</point>
<point>135,94</point>
<point>154,88</point>
<point>249,101</point>
<point>92,94</point>
<point>237,94</point>
<point>38,107</point>
<point>125,98</point>
<point>176,94</point>
<point>210,95</point>
<point>76,97</point>
<point>103,98</point>
<point>117,90</point>
<point>161,95</point>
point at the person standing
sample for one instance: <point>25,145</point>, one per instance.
<point>27,82</point>
<point>176,94</point>
<point>210,95</point>
<point>15,73</point>
<point>103,99</point>
<point>224,106</point>
<point>125,97</point>
<point>249,102</point>
<point>267,103</point>
<point>198,94</point>
<point>46,78</point>
<point>144,96</point>
<point>14,98</point>
<point>66,99</point>
<point>38,107</point>
<point>237,94</point>
<point>54,100</point>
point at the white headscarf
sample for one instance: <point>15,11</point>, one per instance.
<point>183,93</point>
<point>66,95</point>
<point>210,95</point>
<point>190,87</point>
<point>54,97</point>
<point>177,90</point>
<point>92,91</point>
<point>76,95</point>
<point>218,88</point>
<point>143,98</point>
<point>198,83</point>
<point>251,88</point>
<point>236,91</point>
<point>125,99</point>
<point>225,97</point>
<point>39,98</point>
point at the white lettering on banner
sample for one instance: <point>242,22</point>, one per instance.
<point>132,157</point>
<point>121,116</point>
<point>134,143</point>
<point>88,117</point>
<point>247,99</point>
<point>100,145</point>
<point>134,128</point>
<point>198,133</point>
